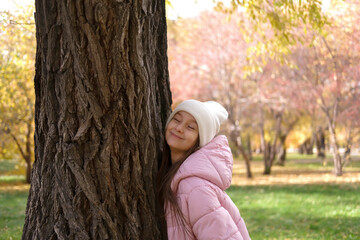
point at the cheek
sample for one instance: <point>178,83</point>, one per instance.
<point>194,137</point>
<point>169,126</point>
<point>167,134</point>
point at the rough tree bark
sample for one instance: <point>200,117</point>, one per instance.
<point>102,98</point>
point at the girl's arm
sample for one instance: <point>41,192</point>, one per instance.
<point>209,219</point>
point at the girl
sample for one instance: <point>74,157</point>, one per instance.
<point>196,168</point>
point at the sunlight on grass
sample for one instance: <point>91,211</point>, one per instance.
<point>13,183</point>
<point>299,211</point>
<point>12,178</point>
<point>7,166</point>
<point>13,198</point>
<point>12,213</point>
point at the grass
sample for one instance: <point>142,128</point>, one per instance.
<point>12,213</point>
<point>315,204</point>
<point>300,211</point>
<point>315,164</point>
<point>298,156</point>
<point>6,166</point>
<point>271,211</point>
<point>13,198</point>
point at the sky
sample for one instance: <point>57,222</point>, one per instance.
<point>11,4</point>
<point>188,8</point>
<point>183,8</point>
<point>180,8</point>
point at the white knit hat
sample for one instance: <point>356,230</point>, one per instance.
<point>208,115</point>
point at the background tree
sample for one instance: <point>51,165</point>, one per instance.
<point>325,73</point>
<point>276,66</point>
<point>208,53</point>
<point>16,85</point>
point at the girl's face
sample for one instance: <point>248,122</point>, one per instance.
<point>181,134</point>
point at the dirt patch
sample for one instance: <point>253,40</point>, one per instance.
<point>290,175</point>
<point>14,186</point>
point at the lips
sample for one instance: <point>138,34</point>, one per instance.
<point>176,136</point>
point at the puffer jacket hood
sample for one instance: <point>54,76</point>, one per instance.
<point>213,163</point>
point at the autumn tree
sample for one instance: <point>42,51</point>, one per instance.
<point>221,53</point>
<point>16,85</point>
<point>321,75</point>
<point>328,69</point>
<point>208,53</point>
<point>349,48</point>
<point>274,32</point>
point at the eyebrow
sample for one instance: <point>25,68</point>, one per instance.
<point>193,121</point>
<point>179,113</point>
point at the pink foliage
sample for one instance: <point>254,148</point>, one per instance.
<point>208,54</point>
<point>205,55</point>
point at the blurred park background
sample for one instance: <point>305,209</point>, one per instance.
<point>290,81</point>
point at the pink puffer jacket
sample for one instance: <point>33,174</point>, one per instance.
<point>200,183</point>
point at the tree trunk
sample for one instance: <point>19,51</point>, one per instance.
<point>347,153</point>
<point>270,156</point>
<point>282,152</point>
<point>335,151</point>
<point>235,136</point>
<point>102,99</point>
<point>26,153</point>
<point>28,150</point>
<point>247,162</point>
<point>264,146</point>
<point>307,147</point>
<point>249,147</point>
<point>320,143</point>
<point>266,156</point>
<point>236,139</point>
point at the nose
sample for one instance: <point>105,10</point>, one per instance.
<point>179,127</point>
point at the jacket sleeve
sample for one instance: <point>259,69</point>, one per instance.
<point>209,220</point>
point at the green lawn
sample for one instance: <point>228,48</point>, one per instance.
<point>300,211</point>
<point>312,211</point>
<point>13,198</point>
<point>270,212</point>
<point>12,213</point>
<point>6,166</point>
